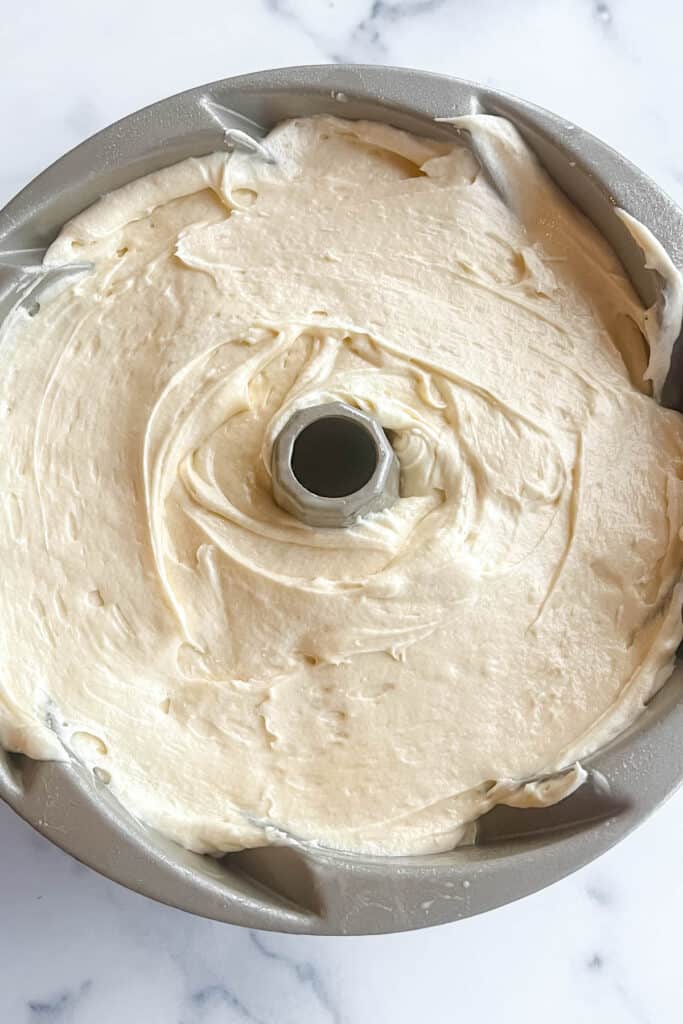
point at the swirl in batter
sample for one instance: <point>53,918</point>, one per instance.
<point>237,677</point>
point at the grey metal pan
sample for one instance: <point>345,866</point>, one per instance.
<point>316,891</point>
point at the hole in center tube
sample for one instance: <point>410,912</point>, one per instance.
<point>334,457</point>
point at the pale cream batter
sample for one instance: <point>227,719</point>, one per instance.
<point>238,678</point>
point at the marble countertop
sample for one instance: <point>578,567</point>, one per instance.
<point>597,947</point>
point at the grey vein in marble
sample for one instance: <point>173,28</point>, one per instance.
<point>603,13</point>
<point>59,1008</point>
<point>306,973</point>
<point>631,1005</point>
<point>363,40</point>
<point>600,895</point>
<point>204,999</point>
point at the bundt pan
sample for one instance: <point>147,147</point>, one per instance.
<point>295,889</point>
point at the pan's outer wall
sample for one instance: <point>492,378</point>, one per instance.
<point>299,890</point>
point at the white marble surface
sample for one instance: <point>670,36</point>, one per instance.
<point>601,946</point>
